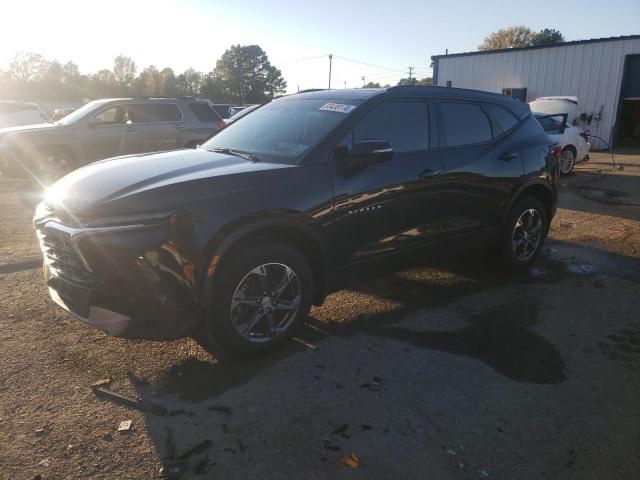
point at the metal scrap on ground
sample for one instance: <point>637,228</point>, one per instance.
<point>136,403</point>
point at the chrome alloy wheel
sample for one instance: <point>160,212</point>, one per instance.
<point>567,160</point>
<point>266,302</point>
<point>527,235</point>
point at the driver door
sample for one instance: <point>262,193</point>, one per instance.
<point>392,205</point>
<point>111,133</point>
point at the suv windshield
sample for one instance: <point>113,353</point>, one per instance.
<point>284,130</point>
<point>79,113</point>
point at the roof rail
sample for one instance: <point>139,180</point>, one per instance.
<point>308,90</point>
<point>161,97</point>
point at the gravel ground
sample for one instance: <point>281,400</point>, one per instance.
<point>451,370</point>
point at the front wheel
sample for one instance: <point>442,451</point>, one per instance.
<point>261,295</point>
<point>524,233</point>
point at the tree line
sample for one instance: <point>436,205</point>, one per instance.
<point>242,75</point>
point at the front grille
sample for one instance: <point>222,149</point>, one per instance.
<point>62,257</point>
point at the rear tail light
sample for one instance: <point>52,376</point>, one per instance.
<point>585,135</point>
<point>220,123</point>
<point>555,150</point>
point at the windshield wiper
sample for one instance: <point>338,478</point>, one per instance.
<point>237,153</point>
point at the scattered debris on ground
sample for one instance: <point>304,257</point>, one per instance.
<point>132,402</point>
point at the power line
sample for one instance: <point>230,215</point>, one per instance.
<point>300,59</point>
<point>368,64</point>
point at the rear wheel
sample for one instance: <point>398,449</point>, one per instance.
<point>524,233</point>
<point>260,297</point>
<point>567,161</point>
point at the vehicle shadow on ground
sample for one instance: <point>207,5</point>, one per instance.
<point>499,337</point>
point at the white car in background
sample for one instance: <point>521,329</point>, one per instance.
<point>17,114</point>
<point>556,114</point>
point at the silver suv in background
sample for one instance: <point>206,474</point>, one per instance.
<point>103,129</point>
<point>15,114</point>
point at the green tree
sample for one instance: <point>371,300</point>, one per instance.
<point>103,84</point>
<point>520,36</point>
<point>148,82</point>
<point>246,76</point>
<point>27,67</point>
<point>510,37</point>
<point>124,71</point>
<point>408,81</point>
<point>168,82</point>
<point>371,85</point>
<point>547,36</point>
<point>189,82</point>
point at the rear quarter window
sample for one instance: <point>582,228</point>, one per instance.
<point>204,112</point>
<point>464,124</point>
<point>502,119</point>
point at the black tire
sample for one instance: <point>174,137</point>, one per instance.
<point>217,331</point>
<point>567,160</point>
<point>514,254</point>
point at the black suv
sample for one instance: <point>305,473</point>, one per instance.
<point>232,242</point>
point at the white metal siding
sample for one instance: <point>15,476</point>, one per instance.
<point>590,71</point>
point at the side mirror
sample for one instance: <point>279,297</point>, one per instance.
<point>368,152</point>
<point>362,154</point>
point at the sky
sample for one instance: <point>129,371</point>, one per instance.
<point>385,37</point>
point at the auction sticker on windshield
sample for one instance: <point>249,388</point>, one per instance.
<point>337,107</point>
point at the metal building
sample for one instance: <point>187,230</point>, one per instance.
<point>604,74</point>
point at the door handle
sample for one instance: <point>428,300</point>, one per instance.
<point>429,173</point>
<point>506,156</point>
<point>178,127</point>
<point>130,129</point>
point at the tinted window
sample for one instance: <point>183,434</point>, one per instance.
<point>204,112</point>
<point>503,120</point>
<point>465,124</point>
<point>551,124</point>
<point>403,124</point>
<point>154,113</point>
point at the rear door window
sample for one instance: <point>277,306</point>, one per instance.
<point>204,112</point>
<point>156,113</point>
<point>403,124</point>
<point>464,124</point>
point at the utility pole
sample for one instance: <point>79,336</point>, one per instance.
<point>363,83</point>
<point>330,62</point>
<point>410,71</point>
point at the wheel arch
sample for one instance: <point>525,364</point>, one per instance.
<point>291,230</point>
<point>538,189</point>
<point>572,148</point>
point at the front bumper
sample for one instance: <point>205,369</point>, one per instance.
<point>105,278</point>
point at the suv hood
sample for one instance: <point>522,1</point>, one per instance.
<point>155,181</point>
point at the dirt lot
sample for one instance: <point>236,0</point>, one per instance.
<point>450,370</point>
